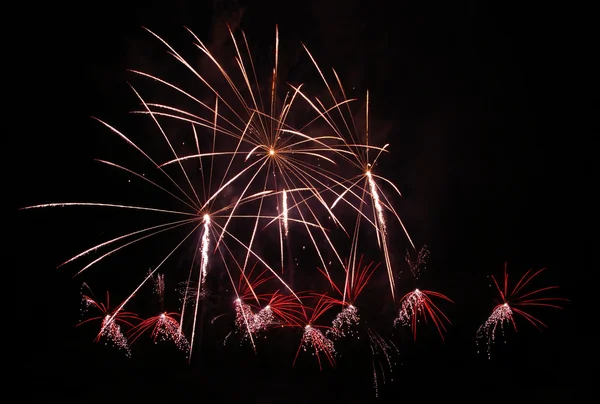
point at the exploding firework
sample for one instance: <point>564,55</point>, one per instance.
<point>256,179</point>
<point>418,305</point>
<point>164,327</point>
<point>356,279</point>
<point>313,339</point>
<point>110,328</point>
<point>512,302</point>
<point>417,264</point>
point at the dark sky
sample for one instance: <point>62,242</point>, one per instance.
<point>470,98</point>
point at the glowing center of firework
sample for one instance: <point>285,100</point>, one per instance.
<point>307,327</point>
<point>206,218</point>
<point>271,152</point>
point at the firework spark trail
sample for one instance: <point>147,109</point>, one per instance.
<point>417,304</point>
<point>285,212</point>
<point>378,347</point>
<point>512,300</point>
<point>205,246</point>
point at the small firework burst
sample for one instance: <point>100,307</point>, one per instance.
<point>159,286</point>
<point>313,338</point>
<point>417,264</point>
<point>357,276</point>
<point>112,332</point>
<point>244,318</point>
<point>512,303</point>
<point>344,323</point>
<point>164,328</point>
<point>110,328</point>
<point>501,314</point>
<point>418,304</point>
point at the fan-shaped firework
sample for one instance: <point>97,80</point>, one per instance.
<point>112,322</point>
<point>512,302</point>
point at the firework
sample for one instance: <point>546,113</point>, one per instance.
<point>382,352</point>
<point>512,302</point>
<point>357,277</point>
<point>264,146</point>
<point>110,328</point>
<point>313,338</point>
<point>418,305</point>
<point>164,327</point>
<point>253,176</point>
<point>417,264</point>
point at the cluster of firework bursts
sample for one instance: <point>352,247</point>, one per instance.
<point>253,175</point>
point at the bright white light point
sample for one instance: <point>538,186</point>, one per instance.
<point>505,304</point>
<point>307,327</point>
<point>417,290</point>
<point>272,152</point>
<point>238,300</point>
<point>268,307</point>
<point>206,218</point>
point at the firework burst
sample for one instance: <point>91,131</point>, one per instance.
<point>418,305</point>
<point>357,277</point>
<point>164,327</point>
<point>513,301</point>
<point>313,339</point>
<point>110,328</point>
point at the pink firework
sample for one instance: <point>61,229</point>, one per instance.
<point>250,318</point>
<point>164,327</point>
<point>417,264</point>
<point>418,304</point>
<point>357,277</point>
<point>313,338</point>
<point>110,328</point>
<point>512,303</point>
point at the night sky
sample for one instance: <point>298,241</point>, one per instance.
<point>469,98</point>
